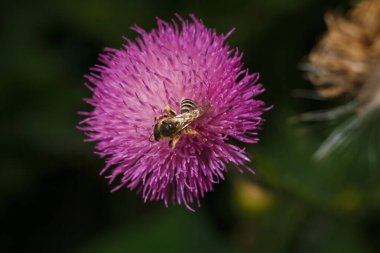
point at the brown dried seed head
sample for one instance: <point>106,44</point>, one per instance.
<point>348,55</point>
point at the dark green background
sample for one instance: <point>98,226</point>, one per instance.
<point>52,199</point>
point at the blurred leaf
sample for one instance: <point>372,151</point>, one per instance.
<point>172,230</point>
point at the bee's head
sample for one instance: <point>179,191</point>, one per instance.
<point>156,132</point>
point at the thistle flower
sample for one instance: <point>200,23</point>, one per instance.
<point>162,68</point>
<point>346,62</point>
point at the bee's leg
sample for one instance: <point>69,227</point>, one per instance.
<point>190,131</point>
<point>160,117</point>
<point>170,110</point>
<point>174,141</point>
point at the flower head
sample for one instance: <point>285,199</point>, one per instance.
<point>346,62</point>
<point>348,55</point>
<point>163,67</point>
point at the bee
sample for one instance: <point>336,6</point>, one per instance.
<point>170,124</point>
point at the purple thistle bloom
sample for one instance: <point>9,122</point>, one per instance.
<point>134,85</point>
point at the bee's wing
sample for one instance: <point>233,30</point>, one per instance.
<point>183,120</point>
<point>203,109</point>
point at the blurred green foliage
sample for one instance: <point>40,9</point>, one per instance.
<point>52,199</point>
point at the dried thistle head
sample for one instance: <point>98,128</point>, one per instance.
<point>347,58</point>
<point>346,61</point>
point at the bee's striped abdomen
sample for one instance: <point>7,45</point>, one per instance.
<point>187,105</point>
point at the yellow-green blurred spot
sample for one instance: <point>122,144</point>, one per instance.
<point>252,198</point>
<point>347,200</point>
